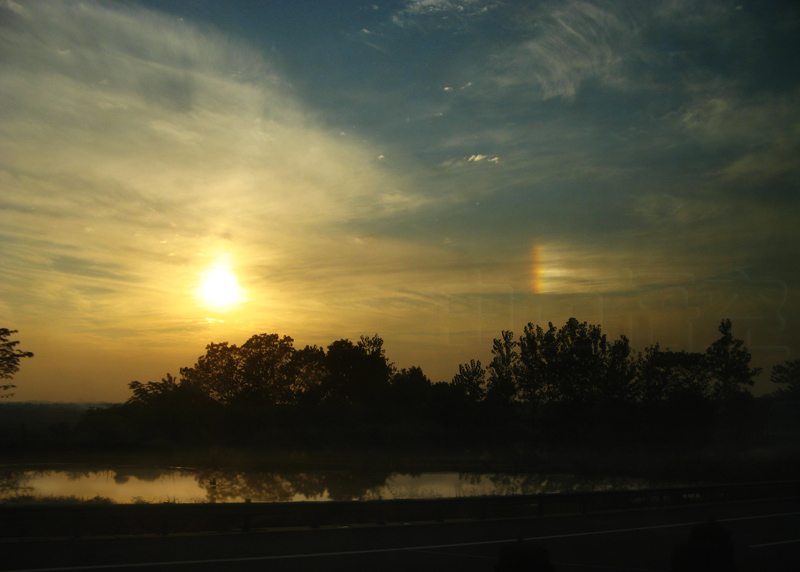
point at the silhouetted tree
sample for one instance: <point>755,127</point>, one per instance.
<point>471,379</point>
<point>579,361</point>
<point>410,388</point>
<point>538,351</point>
<point>216,373</point>
<point>620,372</point>
<point>258,372</point>
<point>729,364</point>
<point>167,411</point>
<point>309,373</point>
<point>788,375</point>
<point>581,386</point>
<point>9,359</point>
<point>667,374</point>
<point>357,373</point>
<point>146,393</point>
<point>266,370</point>
<point>503,370</point>
<point>169,391</point>
<point>574,364</point>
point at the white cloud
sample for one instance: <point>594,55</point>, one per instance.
<point>475,158</point>
<point>478,158</point>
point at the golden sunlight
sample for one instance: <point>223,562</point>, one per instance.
<point>220,287</point>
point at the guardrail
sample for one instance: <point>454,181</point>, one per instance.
<point>18,521</point>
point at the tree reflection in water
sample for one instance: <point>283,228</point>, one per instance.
<point>227,485</point>
<point>533,484</point>
<point>147,474</point>
<point>260,486</point>
<point>13,482</point>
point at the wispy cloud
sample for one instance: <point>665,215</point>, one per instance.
<point>568,44</point>
<point>441,13</point>
<point>137,148</point>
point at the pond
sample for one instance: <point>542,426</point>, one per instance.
<point>131,484</point>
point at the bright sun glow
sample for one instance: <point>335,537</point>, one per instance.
<point>220,287</point>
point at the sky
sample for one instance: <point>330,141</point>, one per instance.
<point>176,173</point>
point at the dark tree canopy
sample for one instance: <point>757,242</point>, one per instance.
<point>729,364</point>
<point>260,371</point>
<point>667,375</point>
<point>358,373</point>
<point>308,372</point>
<point>471,379</point>
<point>787,375</point>
<point>570,383</point>
<point>573,364</point>
<point>10,357</point>
<point>503,387</point>
<point>578,364</point>
<point>267,370</point>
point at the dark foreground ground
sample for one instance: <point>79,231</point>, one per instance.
<point>765,536</point>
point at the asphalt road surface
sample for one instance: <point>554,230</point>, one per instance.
<point>765,534</point>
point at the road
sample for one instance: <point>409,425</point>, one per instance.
<point>766,536</point>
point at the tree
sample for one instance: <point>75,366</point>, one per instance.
<point>729,364</point>
<point>667,375</point>
<point>581,349</point>
<point>471,379</point>
<point>216,373</point>
<point>266,369</point>
<point>503,370</point>
<point>621,370</point>
<point>357,373</point>
<point>146,393</point>
<point>538,351</point>
<point>410,389</point>
<point>309,373</point>
<point>788,375</point>
<point>258,372</point>
<point>9,359</point>
<point>574,364</point>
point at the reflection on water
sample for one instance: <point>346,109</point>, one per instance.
<point>147,484</point>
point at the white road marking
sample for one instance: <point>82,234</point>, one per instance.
<point>384,550</point>
<point>774,543</point>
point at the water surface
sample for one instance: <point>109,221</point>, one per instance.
<point>129,484</point>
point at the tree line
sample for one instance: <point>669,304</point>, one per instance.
<point>548,384</point>
<point>572,364</point>
<point>577,363</point>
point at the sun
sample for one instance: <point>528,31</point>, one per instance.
<point>219,287</point>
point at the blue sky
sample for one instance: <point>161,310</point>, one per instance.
<point>433,171</point>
